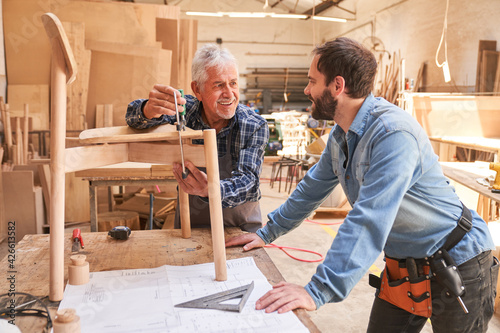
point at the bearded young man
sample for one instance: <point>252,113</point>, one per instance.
<point>401,204</point>
<point>242,136</point>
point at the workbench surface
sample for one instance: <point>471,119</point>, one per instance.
<point>144,249</point>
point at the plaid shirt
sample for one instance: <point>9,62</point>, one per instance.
<point>249,138</point>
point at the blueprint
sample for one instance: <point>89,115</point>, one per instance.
<point>142,300</point>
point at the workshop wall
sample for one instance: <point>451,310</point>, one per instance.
<point>414,28</point>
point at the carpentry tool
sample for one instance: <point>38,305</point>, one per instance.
<point>496,184</point>
<point>181,126</point>
<point>447,275</point>
<point>411,267</point>
<point>120,232</point>
<point>214,301</point>
<point>77,240</point>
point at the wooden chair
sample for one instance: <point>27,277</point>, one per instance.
<point>105,146</point>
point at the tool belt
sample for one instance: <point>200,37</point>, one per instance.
<point>406,283</point>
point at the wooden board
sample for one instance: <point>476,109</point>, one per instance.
<point>128,169</point>
<point>109,220</point>
<point>187,47</point>
<point>167,32</point>
<point>37,96</point>
<point>488,71</point>
<point>122,74</point>
<point>449,115</point>
<point>141,205</point>
<point>77,205</point>
<point>26,45</point>
<point>3,222</point>
<point>128,134</point>
<point>20,202</point>
<point>483,45</point>
<point>144,249</point>
<point>103,115</point>
<point>165,154</point>
<point>78,90</point>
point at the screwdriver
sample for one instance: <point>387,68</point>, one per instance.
<point>181,127</point>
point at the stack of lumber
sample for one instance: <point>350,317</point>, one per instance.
<point>387,78</point>
<point>163,207</point>
<point>488,71</point>
<point>121,50</point>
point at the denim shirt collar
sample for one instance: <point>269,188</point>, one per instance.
<point>359,123</point>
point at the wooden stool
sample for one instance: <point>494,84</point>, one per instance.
<point>109,220</point>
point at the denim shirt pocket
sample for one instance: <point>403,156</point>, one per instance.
<point>335,159</point>
<point>361,169</point>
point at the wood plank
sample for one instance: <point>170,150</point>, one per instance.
<point>37,96</point>
<point>127,169</point>
<point>168,33</point>
<point>466,174</point>
<point>77,206</point>
<point>118,79</point>
<point>104,115</point>
<point>44,174</point>
<point>26,47</point>
<point>483,45</point>
<point>165,153</point>
<point>187,47</point>
<point>19,201</point>
<point>145,249</point>
<point>3,221</point>
<point>488,71</point>
<point>7,128</point>
<point>78,91</point>
<point>128,134</point>
<point>88,157</point>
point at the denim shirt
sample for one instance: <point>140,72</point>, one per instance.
<point>402,203</point>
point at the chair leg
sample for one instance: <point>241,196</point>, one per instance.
<point>215,204</point>
<point>184,213</point>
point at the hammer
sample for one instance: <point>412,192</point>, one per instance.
<point>496,184</point>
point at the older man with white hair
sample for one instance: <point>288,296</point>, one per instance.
<point>242,136</point>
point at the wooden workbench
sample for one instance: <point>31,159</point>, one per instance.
<point>466,173</point>
<point>446,146</point>
<point>123,174</point>
<point>144,249</point>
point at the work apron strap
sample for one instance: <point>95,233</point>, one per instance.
<point>464,225</point>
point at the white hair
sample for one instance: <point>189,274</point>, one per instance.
<point>208,56</point>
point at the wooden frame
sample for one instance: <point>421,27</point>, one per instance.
<point>115,145</point>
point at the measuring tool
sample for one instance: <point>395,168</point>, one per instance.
<point>181,126</point>
<point>215,301</point>
<point>120,232</point>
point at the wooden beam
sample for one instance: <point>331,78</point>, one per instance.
<point>88,157</point>
<point>128,134</point>
<point>156,152</point>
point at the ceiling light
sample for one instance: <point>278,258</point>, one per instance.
<point>247,14</point>
<point>331,19</point>
<point>265,14</point>
<point>218,14</point>
<point>296,16</point>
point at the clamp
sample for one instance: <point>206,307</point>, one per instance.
<point>181,126</point>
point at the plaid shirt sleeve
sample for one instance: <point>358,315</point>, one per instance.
<point>135,117</point>
<point>251,140</point>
